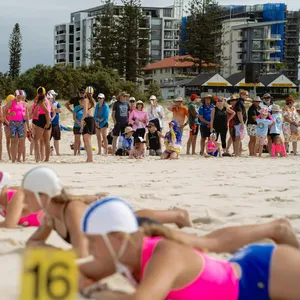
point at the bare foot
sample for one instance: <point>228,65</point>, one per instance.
<point>284,233</point>
<point>183,219</point>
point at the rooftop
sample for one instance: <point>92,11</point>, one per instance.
<point>257,24</point>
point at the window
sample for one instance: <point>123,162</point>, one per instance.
<point>167,12</point>
<point>155,52</point>
<point>161,71</point>
<point>155,42</point>
<point>156,21</point>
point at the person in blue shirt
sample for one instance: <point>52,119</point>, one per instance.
<point>204,113</point>
<point>262,130</point>
<point>101,116</point>
<point>126,141</point>
<point>55,131</point>
<point>77,130</point>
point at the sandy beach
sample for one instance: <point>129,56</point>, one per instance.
<point>217,192</point>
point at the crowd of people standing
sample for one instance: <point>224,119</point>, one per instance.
<point>137,129</point>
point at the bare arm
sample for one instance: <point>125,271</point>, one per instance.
<point>212,119</point>
<point>53,111</point>
<point>113,115</point>
<point>40,236</point>
<point>1,114</point>
<point>68,106</point>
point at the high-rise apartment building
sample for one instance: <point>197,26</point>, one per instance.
<point>73,40</point>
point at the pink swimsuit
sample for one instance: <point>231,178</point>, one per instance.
<point>216,281</point>
<point>48,105</point>
<point>33,219</point>
<point>16,107</point>
<point>211,146</point>
<point>278,149</point>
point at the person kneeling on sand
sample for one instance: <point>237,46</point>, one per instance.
<point>64,211</point>
<point>126,141</point>
<point>212,147</point>
<point>153,140</point>
<point>138,150</point>
<point>278,147</point>
<point>173,140</point>
<point>145,255</point>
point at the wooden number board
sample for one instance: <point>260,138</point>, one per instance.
<point>49,274</point>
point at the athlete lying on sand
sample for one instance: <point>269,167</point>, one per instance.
<point>259,272</point>
<point>223,240</point>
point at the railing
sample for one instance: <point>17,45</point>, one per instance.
<point>276,59</point>
<point>276,36</point>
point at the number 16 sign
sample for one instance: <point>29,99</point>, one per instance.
<point>49,274</point>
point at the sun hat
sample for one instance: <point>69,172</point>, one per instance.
<point>10,98</point>
<point>275,107</point>
<point>139,139</point>
<point>101,96</point>
<point>208,96</point>
<point>42,180</point>
<point>4,179</point>
<point>109,215</point>
<point>89,90</point>
<point>139,102</point>
<point>124,94</point>
<point>128,129</point>
<point>256,99</point>
<point>179,99</point>
<point>152,97</point>
<point>194,96</point>
<point>267,95</point>
<point>52,92</point>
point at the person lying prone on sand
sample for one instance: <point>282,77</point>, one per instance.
<point>64,211</point>
<point>161,265</point>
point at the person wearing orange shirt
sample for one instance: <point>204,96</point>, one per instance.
<point>180,113</point>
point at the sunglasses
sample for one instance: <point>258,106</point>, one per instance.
<point>288,103</point>
<point>220,100</point>
<point>131,101</point>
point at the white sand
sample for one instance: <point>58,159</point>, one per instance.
<point>217,192</point>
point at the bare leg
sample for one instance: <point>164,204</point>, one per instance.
<point>8,141</point>
<point>114,144</point>
<point>260,150</point>
<point>37,143</point>
<point>174,155</point>
<point>188,145</point>
<point>270,145</point>
<point>14,149</point>
<point>194,142</point>
<point>56,146</point>
<point>165,155</point>
<point>237,146</point>
<point>104,139</point>
<point>46,138</point>
<point>202,145</point>
<point>98,133</point>
<point>21,149</point>
<point>1,139</point>
<point>256,149</point>
<point>88,147</point>
<point>287,147</point>
<point>229,143</point>
<point>76,144</point>
<point>294,148</point>
<point>285,274</point>
<point>180,217</point>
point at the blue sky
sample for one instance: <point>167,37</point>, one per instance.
<point>38,17</point>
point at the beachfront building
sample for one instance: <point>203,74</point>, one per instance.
<point>248,41</point>
<point>278,85</point>
<point>73,40</point>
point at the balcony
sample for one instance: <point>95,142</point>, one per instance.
<point>273,37</point>
<point>271,60</point>
<point>271,49</point>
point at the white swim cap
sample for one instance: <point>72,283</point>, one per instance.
<point>42,180</point>
<point>4,179</point>
<point>109,215</point>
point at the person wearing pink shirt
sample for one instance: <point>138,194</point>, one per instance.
<point>138,119</point>
<point>278,147</point>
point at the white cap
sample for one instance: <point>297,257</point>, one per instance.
<point>4,179</point>
<point>101,96</point>
<point>42,180</point>
<point>109,215</point>
<point>152,97</point>
<point>131,98</point>
<point>139,102</point>
<point>49,95</point>
<point>52,92</point>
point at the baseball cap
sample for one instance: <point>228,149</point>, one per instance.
<point>42,180</point>
<point>4,179</point>
<point>20,93</point>
<point>101,96</point>
<point>194,96</point>
<point>109,215</point>
<point>139,139</point>
<point>49,95</point>
<point>52,92</point>
<point>131,99</point>
<point>267,95</point>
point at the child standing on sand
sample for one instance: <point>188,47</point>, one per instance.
<point>278,147</point>
<point>262,129</point>
<point>212,147</point>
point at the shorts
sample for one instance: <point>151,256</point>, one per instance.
<point>76,130</point>
<point>215,154</point>
<point>205,131</point>
<point>238,130</point>
<point>35,122</point>
<point>55,133</point>
<point>119,129</point>
<point>153,152</point>
<point>251,129</point>
<point>104,126</point>
<point>16,129</point>
<point>261,140</point>
<point>41,122</point>
<point>273,136</point>
<point>89,126</point>
<point>194,129</point>
<point>255,262</point>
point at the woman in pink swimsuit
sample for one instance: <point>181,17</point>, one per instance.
<point>43,125</point>
<point>163,266</point>
<point>18,207</point>
<point>16,123</point>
